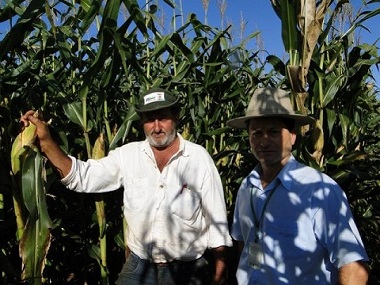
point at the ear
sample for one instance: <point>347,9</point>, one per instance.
<point>293,137</point>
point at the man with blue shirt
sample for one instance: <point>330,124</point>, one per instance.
<point>292,223</point>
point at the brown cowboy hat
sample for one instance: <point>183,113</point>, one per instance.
<point>270,102</point>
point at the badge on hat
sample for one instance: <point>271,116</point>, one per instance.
<point>154,97</point>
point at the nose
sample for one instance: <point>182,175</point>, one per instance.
<point>156,125</point>
<point>265,140</point>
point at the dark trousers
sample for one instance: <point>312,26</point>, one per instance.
<point>137,271</point>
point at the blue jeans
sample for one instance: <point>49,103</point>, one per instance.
<point>137,271</point>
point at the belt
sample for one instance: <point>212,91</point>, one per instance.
<point>164,264</point>
<point>174,262</point>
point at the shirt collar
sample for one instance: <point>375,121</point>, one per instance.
<point>285,178</point>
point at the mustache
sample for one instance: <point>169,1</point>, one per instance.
<point>157,132</point>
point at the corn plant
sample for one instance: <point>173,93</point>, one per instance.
<point>33,221</point>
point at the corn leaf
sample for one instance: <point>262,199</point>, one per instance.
<point>74,111</point>
<point>35,240</point>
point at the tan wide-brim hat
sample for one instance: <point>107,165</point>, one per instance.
<point>270,102</point>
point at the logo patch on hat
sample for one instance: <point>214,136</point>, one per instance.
<point>154,97</point>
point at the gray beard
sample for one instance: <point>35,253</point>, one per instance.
<point>162,143</point>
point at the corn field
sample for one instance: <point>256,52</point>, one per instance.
<point>83,64</point>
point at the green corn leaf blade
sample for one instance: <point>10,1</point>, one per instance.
<point>36,238</point>
<point>334,86</point>
<point>94,252</point>
<point>119,240</point>
<point>74,111</point>
<point>344,123</point>
<point>277,63</point>
<point>124,129</point>
<point>362,17</point>
<point>289,25</point>
<point>23,27</point>
<point>179,44</point>
<point>92,9</point>
<point>161,46</point>
<point>331,119</point>
<point>218,131</point>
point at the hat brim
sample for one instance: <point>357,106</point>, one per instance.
<point>299,120</point>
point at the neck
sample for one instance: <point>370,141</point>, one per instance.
<point>164,154</point>
<point>268,175</point>
<point>270,172</point>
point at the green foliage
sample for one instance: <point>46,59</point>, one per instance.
<point>35,240</point>
<point>83,66</point>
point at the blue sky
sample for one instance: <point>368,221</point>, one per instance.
<point>258,15</point>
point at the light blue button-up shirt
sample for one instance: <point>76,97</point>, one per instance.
<point>307,230</point>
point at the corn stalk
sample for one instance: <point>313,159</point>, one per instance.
<point>302,25</point>
<point>99,151</point>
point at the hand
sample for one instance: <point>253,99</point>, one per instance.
<point>218,281</point>
<point>42,129</point>
<point>61,161</point>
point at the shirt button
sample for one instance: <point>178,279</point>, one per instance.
<point>161,186</point>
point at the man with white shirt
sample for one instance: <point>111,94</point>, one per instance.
<point>173,196</point>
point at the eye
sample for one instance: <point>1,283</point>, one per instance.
<point>274,132</point>
<point>256,134</point>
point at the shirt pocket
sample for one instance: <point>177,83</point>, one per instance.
<point>291,240</point>
<point>186,204</point>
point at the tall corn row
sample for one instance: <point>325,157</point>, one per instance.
<point>78,112</point>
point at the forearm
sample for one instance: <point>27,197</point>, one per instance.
<point>355,273</point>
<point>60,160</point>
<point>220,276</point>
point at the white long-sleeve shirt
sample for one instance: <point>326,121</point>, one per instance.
<point>172,215</point>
